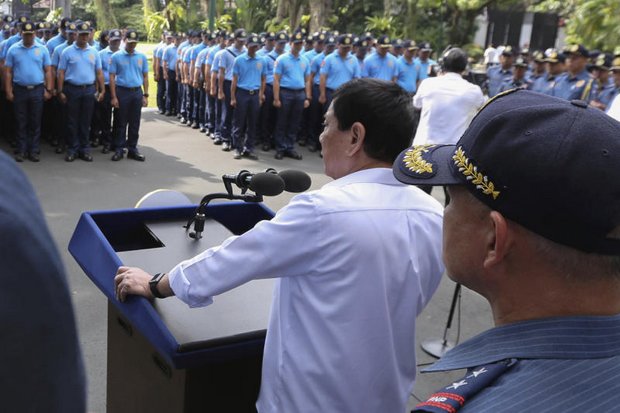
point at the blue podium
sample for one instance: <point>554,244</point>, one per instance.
<point>162,355</point>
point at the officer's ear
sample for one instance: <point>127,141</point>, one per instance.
<point>358,134</point>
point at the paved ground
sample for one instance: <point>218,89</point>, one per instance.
<point>182,159</point>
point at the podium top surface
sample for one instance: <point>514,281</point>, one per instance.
<point>154,239</point>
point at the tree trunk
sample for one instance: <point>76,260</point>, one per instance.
<point>318,11</point>
<point>410,25</point>
<point>282,11</point>
<point>295,11</point>
<point>103,12</point>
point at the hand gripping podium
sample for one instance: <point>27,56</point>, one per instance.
<point>164,356</point>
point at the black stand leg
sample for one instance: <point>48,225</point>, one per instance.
<point>438,347</point>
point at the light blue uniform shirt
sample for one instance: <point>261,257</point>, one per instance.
<point>129,68</point>
<point>315,67</point>
<point>10,42</point>
<point>2,47</point>
<point>227,59</point>
<point>407,74</point>
<point>424,66</point>
<point>55,42</point>
<point>544,84</point>
<point>201,58</point>
<point>378,67</point>
<point>270,61</point>
<point>263,52</point>
<point>106,59</point>
<point>292,70</point>
<point>57,52</point>
<point>28,63</point>
<point>212,52</point>
<point>170,57</point>
<point>194,51</point>
<point>249,71</point>
<point>339,71</point>
<point>80,65</point>
<point>215,66</point>
<point>159,53</point>
<point>310,55</point>
<point>564,364</point>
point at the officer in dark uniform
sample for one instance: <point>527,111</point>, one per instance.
<point>519,80</point>
<point>576,82</point>
<point>247,95</point>
<point>497,75</point>
<point>170,74</point>
<point>129,87</point>
<point>603,87</point>
<point>80,80</point>
<point>537,70</point>
<point>555,69</point>
<point>28,82</point>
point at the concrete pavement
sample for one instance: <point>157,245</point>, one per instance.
<point>182,159</point>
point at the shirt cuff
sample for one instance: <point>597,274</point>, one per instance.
<point>180,285</point>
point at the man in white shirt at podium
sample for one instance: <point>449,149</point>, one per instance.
<point>341,336</point>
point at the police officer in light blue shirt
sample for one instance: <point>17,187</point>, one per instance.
<point>426,63</point>
<point>129,89</point>
<point>169,59</point>
<point>555,68</point>
<point>270,42</point>
<point>158,72</point>
<point>28,83</point>
<point>6,108</point>
<point>291,94</point>
<point>496,75</point>
<point>576,82</point>
<point>382,64</point>
<point>214,105</point>
<point>201,84</point>
<point>78,72</point>
<point>268,112</point>
<point>225,75</point>
<point>317,109</point>
<point>407,70</point>
<point>247,95</point>
<point>60,37</point>
<point>603,88</point>
<point>105,106</point>
<point>337,69</point>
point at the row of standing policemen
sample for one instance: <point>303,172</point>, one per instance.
<point>272,90</point>
<point>573,73</point>
<point>76,85</point>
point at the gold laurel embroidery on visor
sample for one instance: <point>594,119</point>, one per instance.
<point>471,173</point>
<point>414,162</point>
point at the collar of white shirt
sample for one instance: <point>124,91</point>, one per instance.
<point>372,175</point>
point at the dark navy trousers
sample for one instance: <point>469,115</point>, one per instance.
<point>227,113</point>
<point>171,92</point>
<point>161,90</point>
<point>127,118</point>
<point>244,120</point>
<point>267,117</point>
<point>28,107</point>
<point>289,118</point>
<point>80,107</point>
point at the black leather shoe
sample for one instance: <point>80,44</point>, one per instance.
<point>59,149</point>
<point>195,126</point>
<point>105,149</point>
<point>238,155</point>
<point>168,114</point>
<point>70,158</point>
<point>301,142</point>
<point>279,155</point>
<point>266,147</point>
<point>226,146</point>
<point>202,129</point>
<point>217,141</point>
<point>250,155</point>
<point>94,143</point>
<point>19,157</point>
<point>34,157</point>
<point>312,148</point>
<point>137,156</point>
<point>117,156</point>
<point>86,157</point>
<point>293,154</point>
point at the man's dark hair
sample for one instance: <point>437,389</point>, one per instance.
<point>454,60</point>
<point>386,111</point>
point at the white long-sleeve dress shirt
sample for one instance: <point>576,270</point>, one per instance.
<point>356,262</point>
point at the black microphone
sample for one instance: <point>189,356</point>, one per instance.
<point>262,183</point>
<point>295,181</point>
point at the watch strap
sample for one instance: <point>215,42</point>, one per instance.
<point>153,284</point>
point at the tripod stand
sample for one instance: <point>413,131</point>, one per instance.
<point>438,347</point>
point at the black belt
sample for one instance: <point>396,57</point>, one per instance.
<point>292,90</point>
<point>28,87</point>
<point>131,89</point>
<point>80,86</point>
<point>249,92</point>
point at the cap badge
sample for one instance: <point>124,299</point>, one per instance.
<point>472,174</point>
<point>347,40</point>
<point>28,26</point>
<point>132,35</point>
<point>415,162</point>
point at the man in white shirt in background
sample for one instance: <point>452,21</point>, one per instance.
<point>448,103</point>
<point>342,332</point>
